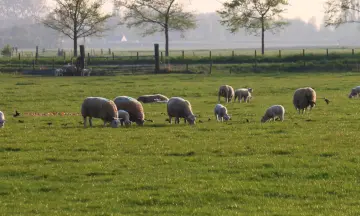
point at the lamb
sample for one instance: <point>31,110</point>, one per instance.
<point>304,98</point>
<point>102,108</point>
<point>354,92</point>
<point>273,112</point>
<point>2,119</point>
<point>153,98</point>
<point>243,93</point>
<point>227,92</point>
<point>133,107</point>
<point>180,108</point>
<point>221,113</point>
<point>86,71</point>
<point>124,117</point>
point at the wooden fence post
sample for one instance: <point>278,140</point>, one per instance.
<point>233,53</point>
<point>255,54</point>
<point>183,54</point>
<point>210,54</point>
<point>109,51</point>
<point>36,54</point>
<point>303,52</point>
<point>327,52</point>
<point>279,53</point>
<point>162,60</point>
<point>137,56</point>
<point>113,55</point>
<point>64,55</point>
<point>157,60</point>
<point>352,51</point>
<point>19,57</point>
<point>88,58</point>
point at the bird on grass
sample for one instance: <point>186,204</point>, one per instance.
<point>247,120</point>
<point>49,123</point>
<point>200,121</point>
<point>326,100</point>
<point>64,124</point>
<point>21,121</point>
<point>16,114</point>
<point>209,119</point>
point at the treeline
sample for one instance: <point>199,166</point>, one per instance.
<point>209,33</point>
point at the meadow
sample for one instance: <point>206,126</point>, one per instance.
<point>306,165</point>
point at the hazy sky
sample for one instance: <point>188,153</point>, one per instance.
<point>304,9</point>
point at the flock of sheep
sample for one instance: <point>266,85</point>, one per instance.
<point>124,110</point>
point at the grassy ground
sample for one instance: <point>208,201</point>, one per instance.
<point>306,165</point>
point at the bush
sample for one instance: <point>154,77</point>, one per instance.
<point>6,51</point>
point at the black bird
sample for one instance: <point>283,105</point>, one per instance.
<point>327,100</point>
<point>247,120</point>
<point>209,119</point>
<point>21,121</point>
<point>49,123</point>
<point>16,114</point>
<point>200,121</point>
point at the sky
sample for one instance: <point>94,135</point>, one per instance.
<point>303,9</point>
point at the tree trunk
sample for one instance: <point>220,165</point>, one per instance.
<point>75,45</point>
<point>166,41</point>
<point>262,37</point>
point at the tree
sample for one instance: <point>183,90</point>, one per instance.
<point>14,11</point>
<point>254,16</point>
<point>338,12</point>
<point>157,16</point>
<point>77,19</point>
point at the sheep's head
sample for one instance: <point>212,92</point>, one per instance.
<point>140,122</point>
<point>312,104</point>
<point>227,117</point>
<point>250,90</point>
<point>191,119</point>
<point>263,119</point>
<point>352,93</point>
<point>2,124</point>
<point>127,123</point>
<point>115,123</point>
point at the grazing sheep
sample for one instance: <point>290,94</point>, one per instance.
<point>102,108</point>
<point>159,98</point>
<point>69,69</point>
<point>221,113</point>
<point>304,98</point>
<point>354,92</point>
<point>133,107</point>
<point>124,117</point>
<point>273,112</point>
<point>58,72</point>
<point>180,108</point>
<point>227,92</point>
<point>243,93</point>
<point>2,119</point>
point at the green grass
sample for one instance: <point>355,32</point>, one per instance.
<point>306,165</point>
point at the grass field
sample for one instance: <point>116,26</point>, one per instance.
<point>306,165</point>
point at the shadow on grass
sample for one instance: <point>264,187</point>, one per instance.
<point>187,154</point>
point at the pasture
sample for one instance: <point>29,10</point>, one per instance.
<point>306,165</point>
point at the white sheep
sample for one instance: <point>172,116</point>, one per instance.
<point>86,71</point>
<point>227,92</point>
<point>102,108</point>
<point>59,72</point>
<point>124,117</point>
<point>243,93</point>
<point>158,98</point>
<point>180,108</point>
<point>221,113</point>
<point>273,112</point>
<point>355,92</point>
<point>2,120</point>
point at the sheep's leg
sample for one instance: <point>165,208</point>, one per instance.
<point>216,116</point>
<point>170,119</point>
<point>104,123</point>
<point>282,118</point>
<point>90,121</point>
<point>185,120</point>
<point>84,118</point>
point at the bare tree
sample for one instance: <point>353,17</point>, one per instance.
<point>338,12</point>
<point>154,16</point>
<point>256,16</point>
<point>77,19</point>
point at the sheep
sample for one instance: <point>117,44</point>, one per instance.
<point>243,93</point>
<point>58,72</point>
<point>273,112</point>
<point>227,92</point>
<point>159,98</point>
<point>86,71</point>
<point>180,108</point>
<point>221,113</point>
<point>354,92</point>
<point>304,98</point>
<point>69,69</point>
<point>2,119</point>
<point>133,107</point>
<point>102,108</point>
<point>124,117</point>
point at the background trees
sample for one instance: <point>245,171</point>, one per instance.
<point>255,16</point>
